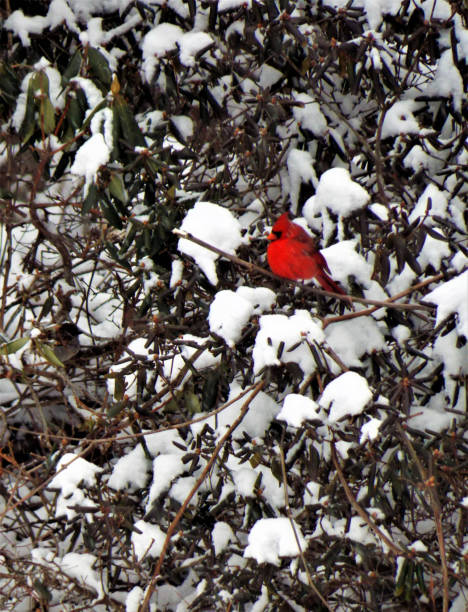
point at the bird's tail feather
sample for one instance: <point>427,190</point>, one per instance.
<point>329,284</point>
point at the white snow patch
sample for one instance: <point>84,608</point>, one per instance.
<point>399,119</point>
<point>309,115</point>
<point>300,170</point>
<point>338,193</point>
<point>297,409</point>
<point>273,538</point>
<point>221,535</point>
<point>370,430</point>
<point>292,333</point>
<point>230,311</point>
<point>149,542</point>
<point>93,154</point>
<point>80,567</point>
<point>451,298</point>
<point>346,395</point>
<point>72,470</point>
<point>216,226</point>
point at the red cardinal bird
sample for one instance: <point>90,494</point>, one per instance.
<point>292,254</point>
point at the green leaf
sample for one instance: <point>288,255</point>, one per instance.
<point>75,114</point>
<point>47,114</point>
<point>91,200</point>
<point>117,189</point>
<point>29,121</point>
<point>111,215</point>
<point>73,67</point>
<point>49,354</point>
<point>116,408</point>
<point>99,67</point>
<point>129,129</point>
<point>42,590</point>
<point>9,84</point>
<point>119,387</point>
<point>13,346</point>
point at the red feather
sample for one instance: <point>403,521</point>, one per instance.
<point>292,254</point>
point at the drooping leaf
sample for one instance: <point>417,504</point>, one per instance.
<point>12,347</point>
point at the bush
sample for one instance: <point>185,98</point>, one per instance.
<point>180,428</point>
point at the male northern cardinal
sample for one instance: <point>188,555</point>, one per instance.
<point>292,254</point>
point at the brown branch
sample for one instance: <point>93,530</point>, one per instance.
<point>368,311</point>
<point>293,527</point>
<point>429,485</point>
<point>173,526</point>
<point>254,268</point>
<point>362,513</point>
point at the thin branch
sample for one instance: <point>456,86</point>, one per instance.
<point>293,527</point>
<point>362,513</point>
<point>429,485</point>
<point>173,526</point>
<point>369,311</point>
<point>254,268</point>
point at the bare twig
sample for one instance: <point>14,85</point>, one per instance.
<point>362,513</point>
<point>293,527</point>
<point>254,268</point>
<point>429,485</point>
<point>172,527</point>
<point>369,311</point>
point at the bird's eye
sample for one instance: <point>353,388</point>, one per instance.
<point>277,234</point>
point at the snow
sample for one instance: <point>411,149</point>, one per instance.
<point>446,350</point>
<point>260,298</point>
<point>358,530</point>
<point>431,202</point>
<point>354,338</point>
<point>370,430</point>
<point>177,272</point>
<point>134,599</point>
<point>167,37</point>
<point>297,409</point>
<point>216,226</point>
<point>23,26</point>
<point>221,536</point>
<point>80,567</point>
<point>184,353</point>
<point>130,471</point>
<point>346,395</point>
<point>71,471</point>
<point>337,192</point>
<point>271,539</point>
<point>300,169</point>
<point>308,115</point>
<point>311,493</point>
<point>230,311</point>
<point>451,298</point>
<point>153,471</point>
<point>344,260</point>
<point>268,76</point>
<point>423,418</point>
<point>433,252</point>
<point>293,333</point>
<point>191,44</point>
<point>228,5</point>
<point>149,542</point>
<point>93,154</point>
<point>262,410</point>
<point>166,468</point>
<point>184,125</point>
<point>399,119</point>
<point>91,92</point>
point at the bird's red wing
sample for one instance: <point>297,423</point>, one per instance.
<point>290,259</point>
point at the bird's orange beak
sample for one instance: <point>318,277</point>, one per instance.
<point>272,236</point>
